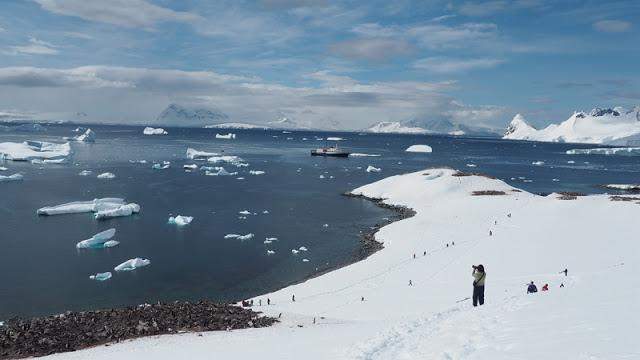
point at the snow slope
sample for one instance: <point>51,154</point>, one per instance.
<point>616,126</point>
<point>592,317</point>
<point>394,127</point>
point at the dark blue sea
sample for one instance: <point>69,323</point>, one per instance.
<point>42,272</point>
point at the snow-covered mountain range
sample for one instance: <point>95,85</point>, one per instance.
<point>237,126</point>
<point>617,126</point>
<point>178,115</point>
<point>420,126</point>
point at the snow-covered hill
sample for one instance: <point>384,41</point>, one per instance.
<point>241,126</point>
<point>617,126</point>
<point>178,115</point>
<point>420,126</point>
<point>394,127</point>
<point>368,310</point>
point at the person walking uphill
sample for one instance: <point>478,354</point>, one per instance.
<point>478,284</point>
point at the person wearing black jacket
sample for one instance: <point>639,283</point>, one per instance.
<point>478,284</point>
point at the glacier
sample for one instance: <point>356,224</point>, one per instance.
<point>99,240</point>
<point>132,264</point>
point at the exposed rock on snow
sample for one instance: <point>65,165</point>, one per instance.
<point>419,149</point>
<point>154,131</point>
<point>194,154</point>
<point>132,264</point>
<point>228,136</point>
<point>88,136</point>
<point>33,150</point>
<point>616,126</point>
<point>373,169</point>
<point>180,220</point>
<point>628,151</point>
<point>99,241</point>
<point>14,177</point>
<point>106,176</point>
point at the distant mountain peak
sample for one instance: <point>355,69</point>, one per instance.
<point>517,126</point>
<point>180,115</point>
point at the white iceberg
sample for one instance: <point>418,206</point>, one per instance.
<point>14,177</point>
<point>270,252</point>
<point>180,220</point>
<point>256,172</point>
<point>190,166</point>
<point>77,207</point>
<point>373,169</point>
<point>106,176</point>
<point>2,168</point>
<point>231,159</point>
<point>334,138</point>
<point>85,173</point>
<point>538,163</point>
<point>98,240</point>
<point>101,276</point>
<point>132,264</point>
<point>228,136</point>
<point>363,155</point>
<point>154,131</point>
<point>194,154</point>
<point>628,151</point>
<point>305,260</point>
<point>122,210</point>
<point>419,149</point>
<point>161,166</point>
<point>294,251</point>
<point>303,248</point>
<point>219,171</point>
<point>30,150</point>
<point>239,237</point>
<point>244,212</point>
<point>87,136</point>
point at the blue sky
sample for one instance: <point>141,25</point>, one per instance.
<point>320,62</point>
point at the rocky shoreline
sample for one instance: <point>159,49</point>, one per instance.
<point>71,331</point>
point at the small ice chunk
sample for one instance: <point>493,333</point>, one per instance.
<point>373,169</point>
<point>219,171</point>
<point>303,248</point>
<point>14,177</point>
<point>256,172</point>
<point>106,176</point>
<point>180,220</point>
<point>190,166</point>
<point>154,131</point>
<point>270,252</point>
<point>538,163</point>
<point>122,210</point>
<point>472,165</point>
<point>239,237</point>
<point>305,260</point>
<point>571,162</point>
<point>419,149</point>
<point>244,212</point>
<point>363,155</point>
<point>321,176</point>
<point>228,136</point>
<point>87,136</point>
<point>161,166</point>
<point>294,251</point>
<point>555,180</point>
<point>325,225</point>
<point>194,154</point>
<point>334,138</point>
<point>85,173</point>
<point>2,168</point>
<point>132,264</point>
<point>97,241</point>
<point>101,276</point>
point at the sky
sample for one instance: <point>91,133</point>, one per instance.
<point>329,63</point>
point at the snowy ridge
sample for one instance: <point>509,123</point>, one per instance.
<point>616,126</point>
<point>238,126</point>
<point>367,310</point>
<point>394,127</point>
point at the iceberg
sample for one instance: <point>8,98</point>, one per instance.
<point>87,136</point>
<point>77,207</point>
<point>626,151</point>
<point>158,166</point>
<point>419,149</point>
<point>231,159</point>
<point>270,252</point>
<point>101,276</point>
<point>106,176</point>
<point>14,177</point>
<point>190,167</point>
<point>122,210</point>
<point>239,237</point>
<point>180,220</point>
<point>31,150</point>
<point>625,187</point>
<point>245,212</point>
<point>538,163</point>
<point>2,168</point>
<point>132,264</point>
<point>194,154</point>
<point>85,173</point>
<point>256,172</point>
<point>218,171</point>
<point>334,138</point>
<point>154,131</point>
<point>98,240</point>
<point>363,155</point>
<point>302,248</point>
<point>373,169</point>
<point>228,136</point>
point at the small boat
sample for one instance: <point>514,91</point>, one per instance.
<point>329,151</point>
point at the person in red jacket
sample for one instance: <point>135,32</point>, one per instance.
<point>545,287</point>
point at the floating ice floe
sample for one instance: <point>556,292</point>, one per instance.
<point>363,155</point>
<point>305,260</point>
<point>106,176</point>
<point>194,154</point>
<point>244,212</point>
<point>294,251</point>
<point>138,161</point>
<point>269,240</point>
<point>218,171</point>
<point>334,138</point>
<point>231,159</point>
<point>321,176</point>
<point>77,207</point>
<point>303,248</point>
<point>256,172</point>
<point>122,210</point>
<point>132,264</point>
<point>87,136</point>
<point>555,180</point>
<point>628,151</point>
<point>154,131</point>
<point>472,165</point>
<point>270,252</point>
<point>32,150</point>
<point>101,276</point>
<point>571,162</point>
<point>180,220</point>
<point>239,237</point>
<point>100,240</point>
<point>2,168</point>
<point>373,169</point>
<point>419,149</point>
<point>190,167</point>
<point>625,187</point>
<point>85,173</point>
<point>325,225</point>
<point>161,166</point>
<point>228,136</point>
<point>265,211</point>
<point>538,163</point>
<point>14,177</point>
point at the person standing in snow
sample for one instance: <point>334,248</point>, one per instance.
<point>565,271</point>
<point>545,287</point>
<point>532,288</point>
<point>478,284</point>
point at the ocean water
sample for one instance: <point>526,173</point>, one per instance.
<point>41,271</point>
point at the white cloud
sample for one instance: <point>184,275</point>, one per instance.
<point>375,49</point>
<point>127,13</point>
<point>34,47</point>
<point>447,65</point>
<point>437,36</point>
<point>612,26</point>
